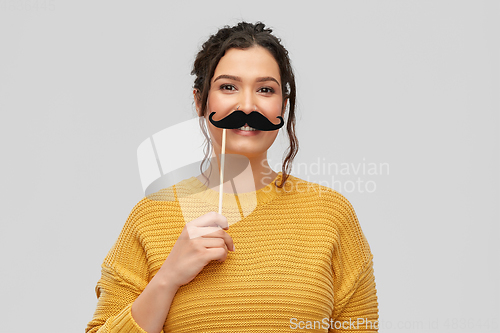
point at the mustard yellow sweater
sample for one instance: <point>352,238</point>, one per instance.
<point>301,264</point>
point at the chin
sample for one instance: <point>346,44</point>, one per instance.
<point>249,152</point>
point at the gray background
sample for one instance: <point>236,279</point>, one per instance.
<point>413,84</point>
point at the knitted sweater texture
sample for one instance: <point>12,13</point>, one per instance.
<point>301,263</point>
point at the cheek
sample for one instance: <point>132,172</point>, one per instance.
<point>271,108</point>
<point>223,106</point>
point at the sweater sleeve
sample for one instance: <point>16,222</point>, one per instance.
<point>124,276</point>
<point>355,295</point>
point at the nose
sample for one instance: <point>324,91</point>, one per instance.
<point>247,101</point>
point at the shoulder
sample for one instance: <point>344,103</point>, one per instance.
<point>325,202</point>
<point>323,195</point>
<point>153,206</point>
<point>332,206</point>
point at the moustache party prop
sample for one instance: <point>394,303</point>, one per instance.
<point>239,118</point>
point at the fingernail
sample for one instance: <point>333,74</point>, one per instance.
<point>234,248</point>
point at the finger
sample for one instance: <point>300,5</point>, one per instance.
<point>210,219</point>
<point>213,242</point>
<point>216,253</point>
<point>195,232</point>
<point>224,235</point>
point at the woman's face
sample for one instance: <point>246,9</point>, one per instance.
<point>249,80</point>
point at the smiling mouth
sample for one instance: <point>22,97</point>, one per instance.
<point>246,128</point>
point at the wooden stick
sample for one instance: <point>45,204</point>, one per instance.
<point>223,152</point>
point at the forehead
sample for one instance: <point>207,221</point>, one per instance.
<point>248,63</point>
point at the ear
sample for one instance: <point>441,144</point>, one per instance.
<point>196,96</point>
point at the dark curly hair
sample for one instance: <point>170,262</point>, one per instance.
<point>242,36</point>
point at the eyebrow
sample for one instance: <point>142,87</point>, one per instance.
<point>237,78</point>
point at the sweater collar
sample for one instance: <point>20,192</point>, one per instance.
<point>195,188</point>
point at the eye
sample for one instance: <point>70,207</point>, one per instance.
<point>266,90</point>
<point>228,87</point>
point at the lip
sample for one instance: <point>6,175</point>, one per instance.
<point>245,133</point>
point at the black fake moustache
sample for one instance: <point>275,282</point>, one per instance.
<point>254,119</point>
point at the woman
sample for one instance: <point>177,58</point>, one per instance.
<point>299,260</point>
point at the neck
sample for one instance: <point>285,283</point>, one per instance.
<point>241,173</point>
